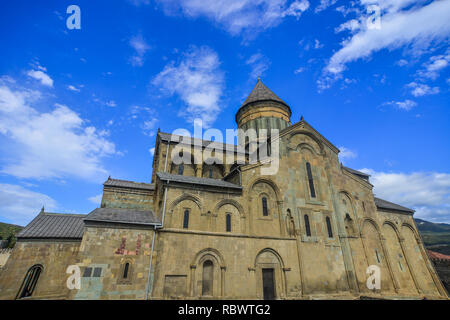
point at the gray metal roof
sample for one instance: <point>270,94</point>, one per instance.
<point>261,93</point>
<point>128,184</point>
<point>123,216</point>
<point>383,204</point>
<point>198,181</point>
<point>358,173</point>
<point>53,226</point>
<point>200,142</point>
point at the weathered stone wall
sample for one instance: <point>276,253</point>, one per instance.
<point>115,197</point>
<point>108,249</point>
<point>53,256</point>
<point>329,261</point>
<point>4,255</point>
<point>237,264</point>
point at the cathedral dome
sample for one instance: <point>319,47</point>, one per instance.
<point>263,109</point>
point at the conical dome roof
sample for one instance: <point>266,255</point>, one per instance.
<point>261,93</point>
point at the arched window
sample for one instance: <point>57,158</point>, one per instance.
<point>180,169</point>
<point>330,231</point>
<point>307,227</point>
<point>228,222</point>
<point>310,180</point>
<point>30,281</point>
<point>264,206</point>
<point>210,172</point>
<point>207,279</point>
<point>186,219</point>
<point>125,270</point>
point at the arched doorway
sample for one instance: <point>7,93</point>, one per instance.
<point>270,279</point>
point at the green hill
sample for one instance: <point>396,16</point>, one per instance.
<point>435,236</point>
<point>8,232</point>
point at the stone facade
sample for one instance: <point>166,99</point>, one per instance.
<point>4,255</point>
<point>223,230</point>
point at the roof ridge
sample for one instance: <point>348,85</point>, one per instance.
<point>128,181</point>
<point>172,134</point>
<point>261,92</point>
<point>64,214</point>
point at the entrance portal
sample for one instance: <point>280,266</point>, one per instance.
<point>268,284</point>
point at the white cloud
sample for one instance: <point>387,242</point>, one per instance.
<point>111,103</point>
<point>346,154</point>
<point>52,144</point>
<point>41,76</point>
<point>140,47</point>
<point>426,192</point>
<point>351,25</point>
<point>236,16</point>
<point>20,205</point>
<point>435,65</point>
<point>259,64</point>
<point>96,199</point>
<point>404,105</point>
<point>198,81</point>
<point>152,151</point>
<point>148,116</point>
<point>402,62</point>
<point>317,44</point>
<point>73,88</point>
<point>420,89</point>
<point>149,126</point>
<point>324,4</point>
<point>417,27</point>
<point>299,70</point>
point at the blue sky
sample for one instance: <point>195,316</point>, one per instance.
<point>79,105</point>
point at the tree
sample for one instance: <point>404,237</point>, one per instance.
<point>11,240</point>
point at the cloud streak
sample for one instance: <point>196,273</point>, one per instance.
<point>53,144</point>
<point>418,27</point>
<point>238,16</point>
<point>198,81</point>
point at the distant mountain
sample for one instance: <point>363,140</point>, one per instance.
<point>435,236</point>
<point>6,230</point>
<point>423,225</point>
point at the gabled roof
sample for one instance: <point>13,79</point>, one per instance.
<point>197,181</point>
<point>122,216</point>
<point>383,204</point>
<point>357,173</point>
<point>437,256</point>
<point>54,226</point>
<point>261,93</point>
<point>128,184</point>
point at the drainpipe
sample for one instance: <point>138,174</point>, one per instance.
<point>156,227</point>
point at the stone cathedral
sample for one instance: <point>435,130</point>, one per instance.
<point>220,230</point>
